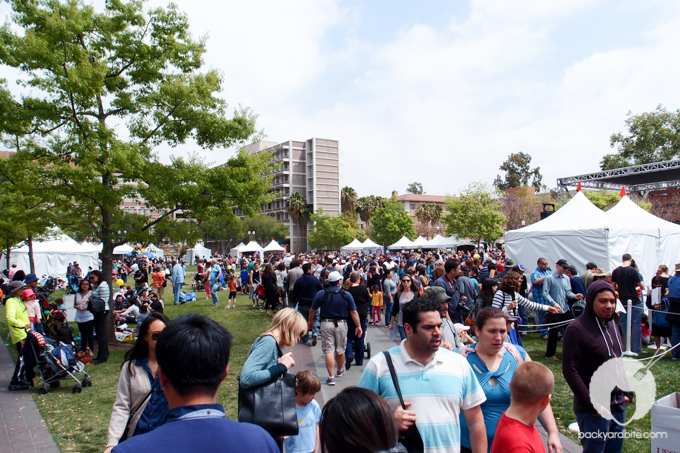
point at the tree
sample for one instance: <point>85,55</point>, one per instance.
<point>106,88</point>
<point>223,230</point>
<point>606,200</point>
<point>180,234</point>
<point>265,227</point>
<point>518,173</point>
<point>300,211</point>
<point>415,188</point>
<point>348,199</point>
<point>519,207</point>
<point>329,232</point>
<point>475,214</point>
<point>652,137</point>
<point>391,222</point>
<point>366,206</point>
<point>429,213</point>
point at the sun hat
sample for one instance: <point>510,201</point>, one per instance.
<point>598,272</point>
<point>28,293</point>
<point>15,286</point>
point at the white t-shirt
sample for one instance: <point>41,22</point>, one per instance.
<point>83,315</point>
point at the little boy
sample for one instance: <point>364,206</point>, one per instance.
<point>309,415</point>
<point>232,292</point>
<point>531,389</point>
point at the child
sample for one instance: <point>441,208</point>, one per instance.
<point>33,307</point>
<point>376,303</point>
<point>646,332</point>
<point>531,389</point>
<point>309,415</point>
<point>232,291</point>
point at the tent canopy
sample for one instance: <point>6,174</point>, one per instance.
<point>123,249</point>
<point>274,247</point>
<point>53,255</point>
<point>401,244</point>
<point>155,251</point>
<point>198,251</point>
<point>419,243</point>
<point>237,250</point>
<point>252,246</point>
<point>370,245</point>
<point>354,245</point>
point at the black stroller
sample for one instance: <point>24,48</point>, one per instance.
<point>56,362</point>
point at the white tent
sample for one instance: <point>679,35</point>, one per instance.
<point>435,241</point>
<point>450,242</point>
<point>419,243</point>
<point>252,246</point>
<point>53,255</point>
<point>354,245</point>
<point>236,251</point>
<point>274,247</point>
<point>634,230</point>
<point>123,249</point>
<point>198,251</point>
<point>576,232</point>
<point>369,245</point>
<point>401,244</point>
<point>155,251</point>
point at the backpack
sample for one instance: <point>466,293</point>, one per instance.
<point>328,292</point>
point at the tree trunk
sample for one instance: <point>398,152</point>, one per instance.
<point>107,262</point>
<point>8,253</point>
<point>31,261</point>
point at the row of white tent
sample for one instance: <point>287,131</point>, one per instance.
<point>581,232</point>
<point>254,247</point>
<point>438,242</point>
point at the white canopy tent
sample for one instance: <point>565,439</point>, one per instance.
<point>198,251</point>
<point>236,251</point>
<point>252,247</point>
<point>401,244</point>
<point>52,256</point>
<point>354,245</point>
<point>371,246</point>
<point>155,251</point>
<point>435,241</point>
<point>123,249</point>
<point>274,247</point>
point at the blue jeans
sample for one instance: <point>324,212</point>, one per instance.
<point>388,311</point>
<point>402,332</point>
<point>177,290</point>
<point>595,433</point>
<point>541,320</point>
<point>636,326</point>
<point>675,339</point>
<point>213,292</point>
<point>523,314</point>
<point>304,311</point>
<point>355,345</point>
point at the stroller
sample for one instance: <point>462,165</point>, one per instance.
<point>56,362</point>
<point>73,284</point>
<point>197,282</point>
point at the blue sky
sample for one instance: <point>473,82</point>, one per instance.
<point>442,92</point>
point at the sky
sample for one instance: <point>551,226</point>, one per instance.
<point>441,92</point>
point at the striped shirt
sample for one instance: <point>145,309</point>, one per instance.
<point>502,299</point>
<point>438,391</point>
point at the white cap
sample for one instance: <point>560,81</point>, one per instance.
<point>334,277</point>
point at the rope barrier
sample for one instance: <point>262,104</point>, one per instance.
<point>658,355</point>
<point>546,325</point>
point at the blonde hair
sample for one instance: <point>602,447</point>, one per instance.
<point>290,323</point>
<point>353,278</point>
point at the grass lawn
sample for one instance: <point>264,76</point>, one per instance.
<point>79,423</point>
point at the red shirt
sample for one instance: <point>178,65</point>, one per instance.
<point>513,436</point>
<point>232,286</point>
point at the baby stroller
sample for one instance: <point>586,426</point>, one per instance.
<point>73,284</point>
<point>197,283</point>
<point>56,362</point>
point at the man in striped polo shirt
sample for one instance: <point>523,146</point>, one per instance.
<point>436,384</point>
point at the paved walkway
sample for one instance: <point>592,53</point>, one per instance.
<point>311,358</point>
<point>22,428</point>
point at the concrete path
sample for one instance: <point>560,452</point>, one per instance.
<point>22,428</point>
<point>311,358</point>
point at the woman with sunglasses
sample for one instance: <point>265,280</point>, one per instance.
<point>406,292</point>
<point>140,405</point>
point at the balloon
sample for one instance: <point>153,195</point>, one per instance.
<point>120,282</point>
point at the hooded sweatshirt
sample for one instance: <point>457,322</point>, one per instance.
<point>588,343</point>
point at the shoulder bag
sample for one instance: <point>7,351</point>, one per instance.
<point>270,405</point>
<point>411,437</point>
<point>134,411</point>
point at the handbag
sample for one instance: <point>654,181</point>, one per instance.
<point>270,405</point>
<point>260,291</point>
<point>134,411</point>
<point>411,437</point>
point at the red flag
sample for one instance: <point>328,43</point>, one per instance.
<point>578,188</point>
<point>623,192</point>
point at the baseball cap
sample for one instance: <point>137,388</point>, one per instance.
<point>334,276</point>
<point>520,267</point>
<point>563,263</point>
<point>590,265</point>
<point>460,327</point>
<point>437,293</point>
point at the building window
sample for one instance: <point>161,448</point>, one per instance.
<point>413,207</point>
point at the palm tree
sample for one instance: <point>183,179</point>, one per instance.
<point>366,207</point>
<point>348,199</point>
<point>299,210</point>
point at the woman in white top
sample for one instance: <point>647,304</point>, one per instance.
<point>84,317</point>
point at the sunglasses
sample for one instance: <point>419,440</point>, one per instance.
<point>154,336</point>
<point>406,280</point>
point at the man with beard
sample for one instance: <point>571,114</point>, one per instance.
<point>436,384</point>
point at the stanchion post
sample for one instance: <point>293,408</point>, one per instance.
<point>629,326</point>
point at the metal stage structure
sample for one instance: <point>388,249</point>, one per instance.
<point>638,179</point>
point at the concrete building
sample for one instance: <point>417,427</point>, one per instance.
<point>311,168</point>
<point>413,201</point>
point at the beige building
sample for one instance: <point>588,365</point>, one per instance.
<point>310,168</point>
<point>413,201</point>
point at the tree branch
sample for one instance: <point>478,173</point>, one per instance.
<point>164,216</point>
<point>162,123</point>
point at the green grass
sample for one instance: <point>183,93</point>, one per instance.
<point>79,423</point>
<point>665,373</point>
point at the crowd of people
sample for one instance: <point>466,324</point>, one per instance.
<point>460,380</point>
